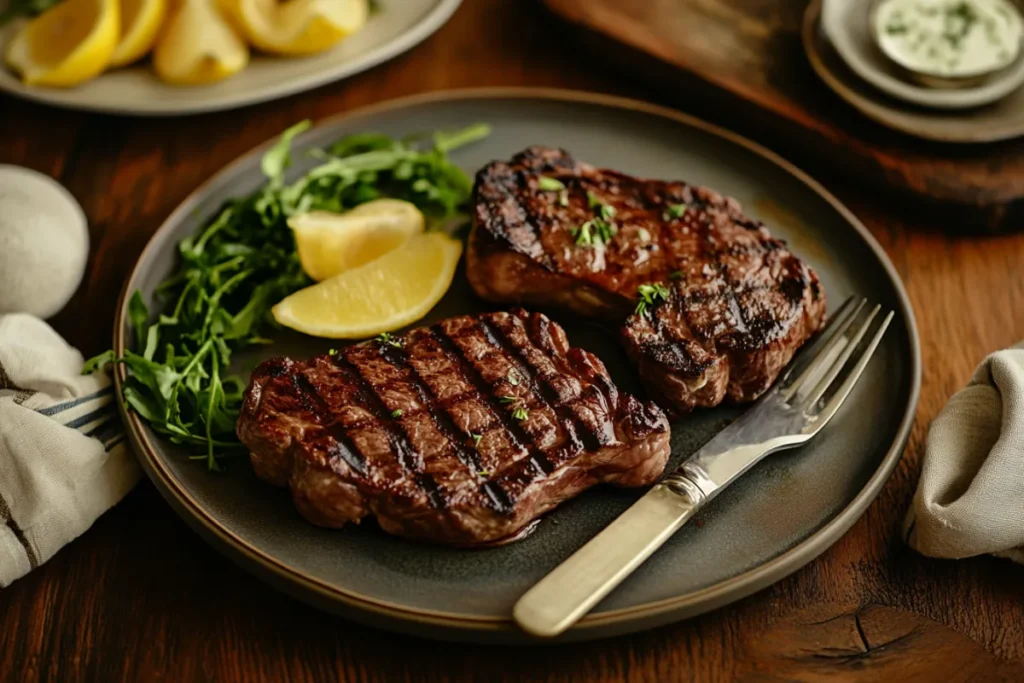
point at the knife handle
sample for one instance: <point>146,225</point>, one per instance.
<point>593,571</point>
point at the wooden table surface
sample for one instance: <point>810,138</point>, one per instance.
<point>140,597</point>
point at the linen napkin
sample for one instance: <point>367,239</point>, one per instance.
<point>63,459</point>
<point>970,500</point>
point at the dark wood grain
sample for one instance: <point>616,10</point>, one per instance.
<point>742,62</point>
<point>141,598</point>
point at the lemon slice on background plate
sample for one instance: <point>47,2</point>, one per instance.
<point>140,24</point>
<point>68,44</point>
<point>331,243</point>
<point>297,27</point>
<point>383,295</point>
<point>198,46</point>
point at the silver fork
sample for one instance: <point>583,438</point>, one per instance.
<point>799,405</point>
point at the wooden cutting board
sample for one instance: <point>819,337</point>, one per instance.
<point>741,64</point>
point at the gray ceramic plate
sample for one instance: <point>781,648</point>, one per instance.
<point>779,517</point>
<point>135,90</point>
<point>1002,120</point>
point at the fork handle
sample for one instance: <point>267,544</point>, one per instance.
<point>562,597</point>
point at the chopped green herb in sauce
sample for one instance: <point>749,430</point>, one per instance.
<point>650,295</point>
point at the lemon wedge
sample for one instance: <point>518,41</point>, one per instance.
<point>331,243</point>
<point>198,46</point>
<point>68,44</point>
<point>298,27</point>
<point>140,24</point>
<point>383,295</point>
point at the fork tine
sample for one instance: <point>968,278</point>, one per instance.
<point>851,344</point>
<point>824,357</point>
<point>846,387</point>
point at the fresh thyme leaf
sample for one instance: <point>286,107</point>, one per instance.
<point>396,413</point>
<point>650,294</point>
<point>513,378</point>
<point>550,184</point>
<point>520,413</point>
<point>675,211</point>
<point>390,340</point>
<point>243,261</point>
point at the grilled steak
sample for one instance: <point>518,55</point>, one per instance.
<point>460,433</point>
<point>740,303</point>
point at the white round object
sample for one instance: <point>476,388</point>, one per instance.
<point>44,243</point>
<point>847,25</point>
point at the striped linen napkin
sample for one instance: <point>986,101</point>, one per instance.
<point>63,456</point>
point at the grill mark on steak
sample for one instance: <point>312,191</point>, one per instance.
<point>315,404</point>
<point>398,437</point>
<point>519,436</point>
<point>443,421</point>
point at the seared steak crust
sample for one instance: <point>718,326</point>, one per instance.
<point>741,302</point>
<point>460,433</point>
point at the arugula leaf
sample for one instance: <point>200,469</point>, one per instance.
<point>243,261</point>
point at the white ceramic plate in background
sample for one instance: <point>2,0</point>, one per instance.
<point>398,26</point>
<point>847,26</point>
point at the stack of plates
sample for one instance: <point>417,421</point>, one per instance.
<point>840,44</point>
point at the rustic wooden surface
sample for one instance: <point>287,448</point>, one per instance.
<point>141,598</point>
<point>742,63</point>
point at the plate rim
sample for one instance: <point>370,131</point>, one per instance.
<point>811,26</point>
<point>432,22</point>
<point>683,606</point>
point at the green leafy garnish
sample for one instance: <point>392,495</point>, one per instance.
<point>243,261</point>
<point>520,413</point>
<point>484,473</point>
<point>513,378</point>
<point>563,198</point>
<point>643,234</point>
<point>19,8</point>
<point>507,399</point>
<point>594,232</point>
<point>390,340</point>
<point>476,439</point>
<point>650,295</point>
<point>675,211</point>
<point>550,184</point>
<point>396,413</point>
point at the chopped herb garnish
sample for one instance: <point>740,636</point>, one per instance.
<point>333,352</point>
<point>396,413</point>
<point>643,234</point>
<point>390,340</point>
<point>507,399</point>
<point>607,212</point>
<point>520,413</point>
<point>513,378</point>
<point>650,295</point>
<point>675,211</point>
<point>476,438</point>
<point>676,275</point>
<point>593,201</point>
<point>550,184</point>
<point>484,473</point>
<point>563,198</point>
<point>594,232</point>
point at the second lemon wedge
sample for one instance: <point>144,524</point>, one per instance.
<point>140,23</point>
<point>68,44</point>
<point>383,295</point>
<point>297,27</point>
<point>331,243</point>
<point>198,46</point>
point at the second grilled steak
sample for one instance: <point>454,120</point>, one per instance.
<point>551,230</point>
<point>460,433</point>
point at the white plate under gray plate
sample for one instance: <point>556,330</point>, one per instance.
<point>136,91</point>
<point>781,515</point>
<point>847,25</point>
<point>1002,120</point>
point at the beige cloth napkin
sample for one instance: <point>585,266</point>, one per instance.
<point>970,500</point>
<point>63,460</point>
